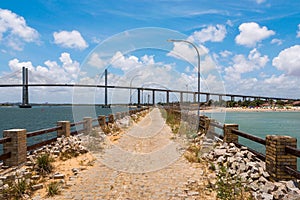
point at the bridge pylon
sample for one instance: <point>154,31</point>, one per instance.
<point>25,95</point>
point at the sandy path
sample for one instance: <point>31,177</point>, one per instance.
<point>144,164</point>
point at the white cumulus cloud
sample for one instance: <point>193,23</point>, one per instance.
<point>298,32</point>
<point>14,31</point>
<point>186,52</point>
<point>52,72</point>
<point>251,33</point>
<point>242,65</point>
<point>211,33</point>
<point>288,60</point>
<point>70,39</point>
<point>276,41</point>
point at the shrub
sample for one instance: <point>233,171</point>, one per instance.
<point>44,163</point>
<point>16,189</point>
<point>230,186</point>
<point>53,188</point>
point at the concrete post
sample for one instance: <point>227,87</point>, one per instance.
<point>65,130</point>
<point>211,129</point>
<point>17,146</point>
<point>202,121</point>
<point>111,118</point>
<point>228,135</point>
<point>87,126</point>
<point>123,114</point>
<point>277,158</point>
<point>101,120</point>
<point>206,125</point>
<point>118,115</point>
<point>194,97</point>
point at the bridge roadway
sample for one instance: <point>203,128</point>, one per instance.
<point>139,89</point>
<point>145,163</point>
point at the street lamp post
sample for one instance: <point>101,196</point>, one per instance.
<point>130,101</point>
<point>198,54</point>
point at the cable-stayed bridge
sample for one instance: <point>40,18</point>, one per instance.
<point>25,94</point>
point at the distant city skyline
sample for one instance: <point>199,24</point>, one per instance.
<point>253,44</point>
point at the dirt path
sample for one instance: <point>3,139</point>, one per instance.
<point>145,163</point>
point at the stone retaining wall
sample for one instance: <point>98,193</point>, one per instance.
<point>276,156</point>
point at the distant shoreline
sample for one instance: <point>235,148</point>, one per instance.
<point>220,110</point>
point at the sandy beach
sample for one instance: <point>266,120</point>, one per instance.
<point>239,109</point>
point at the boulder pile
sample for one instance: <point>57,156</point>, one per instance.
<point>27,174</point>
<point>251,171</point>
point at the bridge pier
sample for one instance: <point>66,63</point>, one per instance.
<point>139,97</point>
<point>25,95</point>
<point>168,97</point>
<point>232,98</point>
<point>207,97</point>
<point>153,97</point>
<point>220,98</point>
<point>181,97</point>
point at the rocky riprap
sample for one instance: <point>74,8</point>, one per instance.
<point>251,171</point>
<point>63,148</point>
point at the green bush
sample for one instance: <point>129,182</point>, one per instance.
<point>44,163</point>
<point>53,188</point>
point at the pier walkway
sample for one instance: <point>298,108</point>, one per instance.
<point>145,163</point>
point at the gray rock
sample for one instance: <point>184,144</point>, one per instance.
<point>254,187</point>
<point>266,174</point>
<point>278,194</point>
<point>255,176</point>
<point>290,185</point>
<point>221,159</point>
<point>262,180</point>
<point>219,152</point>
<point>250,155</point>
<point>37,186</point>
<point>268,187</point>
<point>244,148</point>
<point>5,187</point>
<point>58,176</point>
<point>231,144</point>
<point>29,163</point>
<point>291,196</point>
<point>56,152</point>
<point>242,167</point>
<point>233,150</point>
<point>192,193</point>
<point>267,196</point>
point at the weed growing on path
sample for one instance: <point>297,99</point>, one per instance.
<point>53,188</point>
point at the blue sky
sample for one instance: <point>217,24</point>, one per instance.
<point>253,44</point>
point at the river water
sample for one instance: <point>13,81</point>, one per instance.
<point>37,118</point>
<point>256,123</point>
<point>262,124</point>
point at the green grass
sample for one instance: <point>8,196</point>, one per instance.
<point>16,189</point>
<point>53,189</point>
<point>230,187</point>
<point>44,163</point>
